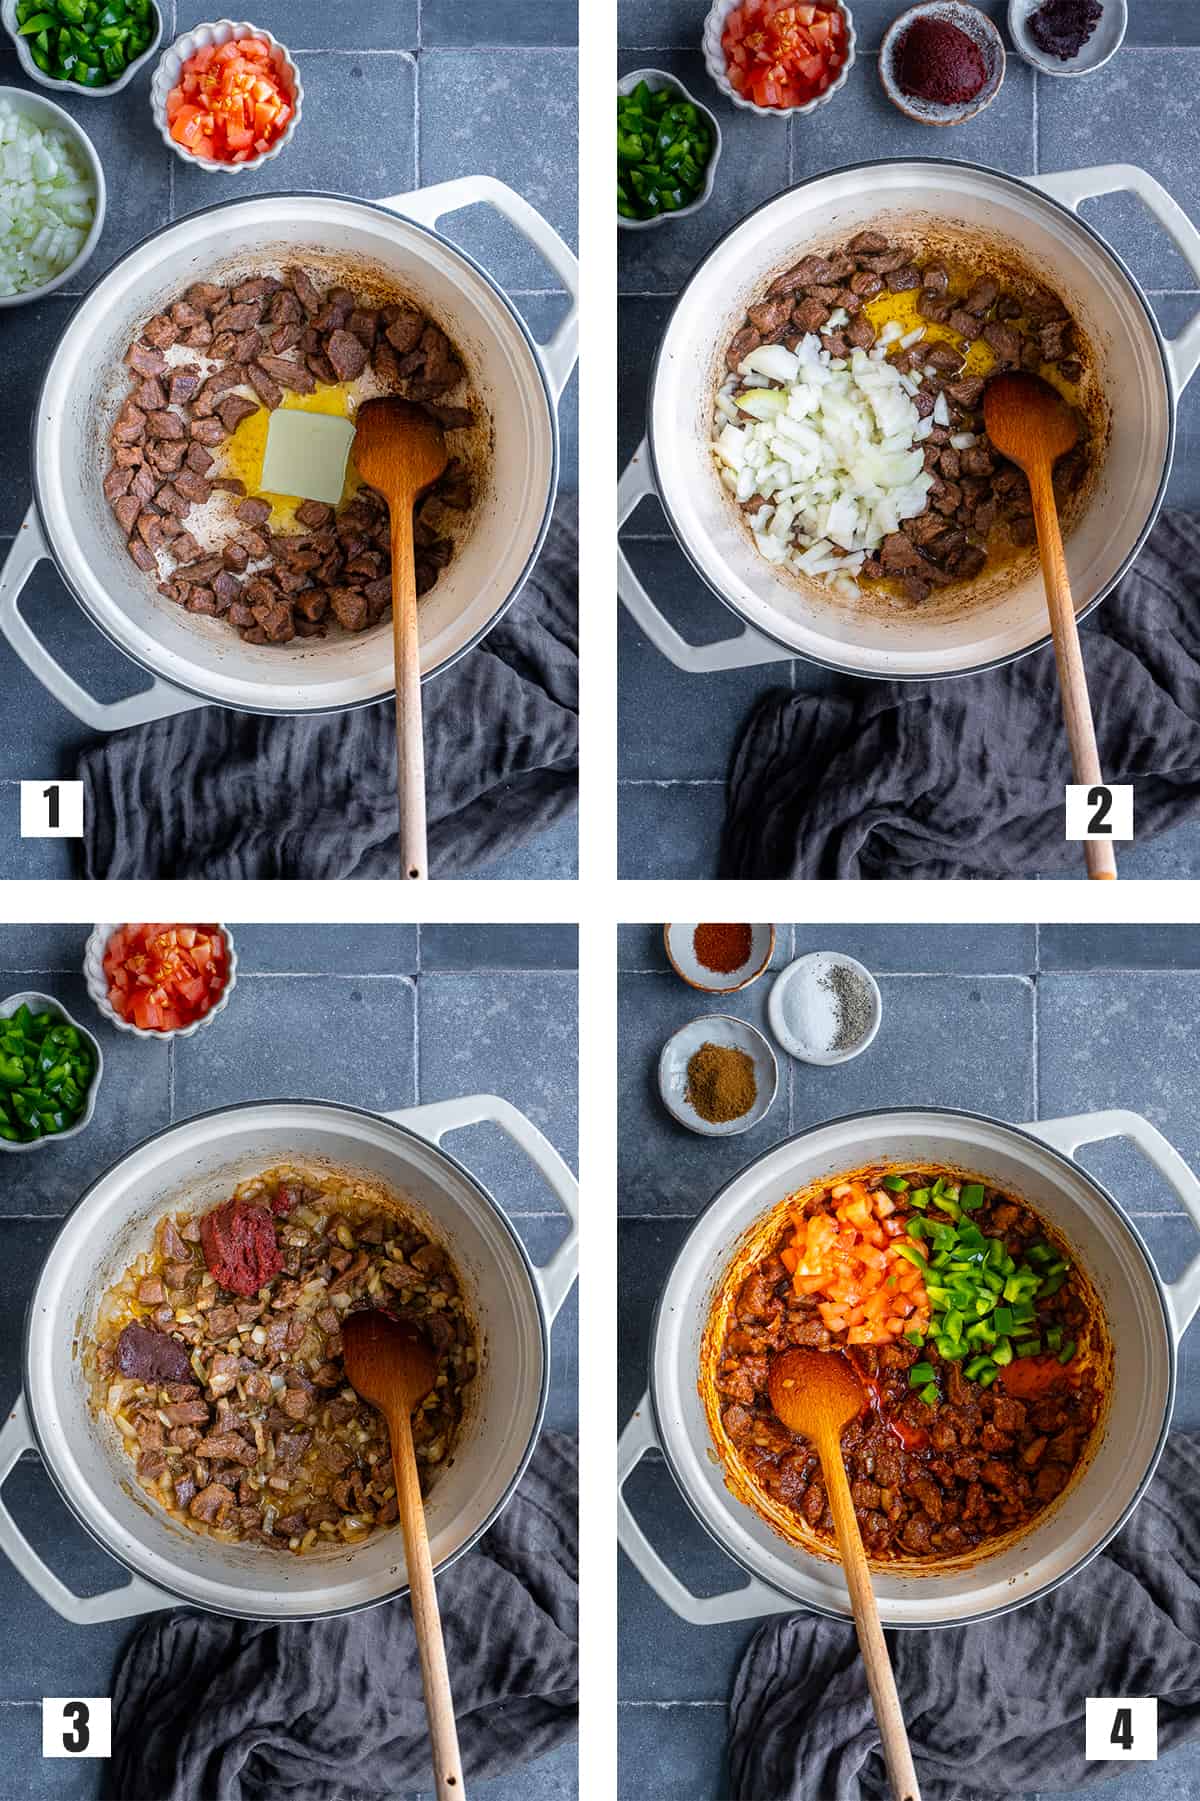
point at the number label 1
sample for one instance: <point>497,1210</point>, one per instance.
<point>1121,1729</point>
<point>51,809</point>
<point>1101,811</point>
<point>75,1727</point>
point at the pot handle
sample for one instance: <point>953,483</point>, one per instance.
<point>159,701</point>
<point>745,651</point>
<point>752,1602</point>
<point>428,205</point>
<point>1067,1135</point>
<point>436,1118</point>
<point>1075,185</point>
<point>124,1603</point>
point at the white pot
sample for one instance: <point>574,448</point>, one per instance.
<point>198,661</point>
<point>193,1166</point>
<point>1145,1318</point>
<point>785,616</point>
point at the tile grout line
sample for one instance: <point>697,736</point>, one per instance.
<point>418,989</point>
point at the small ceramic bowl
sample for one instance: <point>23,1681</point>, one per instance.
<point>714,62</point>
<point>1100,48</point>
<point>97,987</point>
<point>38,1003</point>
<point>47,113</point>
<point>168,72</point>
<point>723,1029</point>
<point>978,27</point>
<point>682,957</point>
<point>8,12</point>
<point>655,80</point>
<point>801,1008</point>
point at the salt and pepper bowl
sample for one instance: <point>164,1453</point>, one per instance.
<point>798,1004</point>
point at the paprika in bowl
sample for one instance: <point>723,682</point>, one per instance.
<point>719,959</point>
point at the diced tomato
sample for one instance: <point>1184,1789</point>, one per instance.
<point>161,977</point>
<point>229,102</point>
<point>782,53</point>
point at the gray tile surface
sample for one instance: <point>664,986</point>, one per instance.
<point>1021,1022</point>
<point>443,85</point>
<point>343,1029</point>
<point>1141,109</point>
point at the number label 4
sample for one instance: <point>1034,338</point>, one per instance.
<point>1121,1729</point>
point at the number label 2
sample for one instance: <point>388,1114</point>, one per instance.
<point>1101,810</point>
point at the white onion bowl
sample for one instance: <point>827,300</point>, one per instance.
<point>50,116</point>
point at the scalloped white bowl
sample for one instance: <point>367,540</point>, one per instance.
<point>8,13</point>
<point>46,112</point>
<point>655,79</point>
<point>31,996</point>
<point>219,32</point>
<point>714,62</point>
<point>97,987</point>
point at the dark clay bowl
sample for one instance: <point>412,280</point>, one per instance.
<point>978,27</point>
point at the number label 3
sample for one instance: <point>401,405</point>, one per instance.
<point>1120,1729</point>
<point>1100,811</point>
<point>72,1727</point>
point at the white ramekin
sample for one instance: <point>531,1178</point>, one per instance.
<point>714,62</point>
<point>38,1003</point>
<point>167,75</point>
<point>97,987</point>
<point>8,13</point>
<point>48,113</point>
<point>655,79</point>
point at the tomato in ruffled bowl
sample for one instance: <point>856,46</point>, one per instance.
<point>779,56</point>
<point>160,980</point>
<point>226,97</point>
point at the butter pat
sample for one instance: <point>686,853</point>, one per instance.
<point>306,455</point>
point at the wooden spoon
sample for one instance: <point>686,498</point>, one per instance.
<point>1031,424</point>
<point>392,1365</point>
<point>817,1394</point>
<point>400,451</point>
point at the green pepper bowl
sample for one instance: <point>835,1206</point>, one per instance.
<point>8,14</point>
<point>655,80</point>
<point>46,1003</point>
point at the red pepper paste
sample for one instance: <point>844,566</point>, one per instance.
<point>239,1246</point>
<point>722,949</point>
<point>939,62</point>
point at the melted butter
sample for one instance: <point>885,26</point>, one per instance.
<point>980,358</point>
<point>242,454</point>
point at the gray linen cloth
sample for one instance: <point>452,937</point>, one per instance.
<point>962,779</point>
<point>993,1710</point>
<point>217,794</point>
<point>209,1709</point>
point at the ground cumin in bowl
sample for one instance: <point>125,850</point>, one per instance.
<point>720,1082</point>
<point>717,1075</point>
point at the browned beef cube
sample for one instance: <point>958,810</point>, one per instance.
<point>204,295</point>
<point>254,512</point>
<point>233,409</point>
<point>127,509</point>
<point>164,424</point>
<point>203,600</point>
<point>144,484</point>
<point>942,356</point>
<point>247,345</point>
<point>241,316</point>
<point>223,345</point>
<point>897,552</point>
<point>312,604</point>
<point>965,324</point>
<point>207,431</point>
<point>200,571</point>
<point>286,337</point>
<point>966,393</point>
<point>810,314</point>
<point>130,427</point>
<point>227,589</point>
<point>171,500</point>
<point>868,243</point>
<point>268,390</point>
<point>1004,341</point>
<point>150,395</point>
<point>861,334</point>
<point>902,279</point>
<point>1053,339</point>
<point>276,621</point>
<point>770,315</point>
<point>379,597</point>
<point>364,323</point>
<point>283,309</point>
<point>186,315</point>
<point>256,544</point>
<point>403,326</point>
<point>982,295</point>
<point>142,555</point>
<point>254,634</point>
<point>128,456</point>
<point>198,458</point>
<point>240,614</point>
<point>116,483</point>
<point>256,287</point>
<point>145,360</point>
<point>442,367</point>
<point>350,608</point>
<point>185,382</point>
<point>185,548</point>
<point>167,454</point>
<point>235,556</point>
<point>321,369</point>
<point>288,374</point>
<point>200,336</point>
<point>303,288</point>
<point>347,353</point>
<point>231,484</point>
<point>314,514</point>
<point>193,486</point>
<point>160,332</point>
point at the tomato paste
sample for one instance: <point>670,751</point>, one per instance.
<point>239,1246</point>
<point>939,62</point>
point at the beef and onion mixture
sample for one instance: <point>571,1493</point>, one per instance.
<point>210,362</point>
<point>219,1357</point>
<point>975,1337</point>
<point>850,423</point>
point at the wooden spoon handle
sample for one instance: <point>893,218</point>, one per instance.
<point>410,741</point>
<point>439,1703</point>
<point>1077,711</point>
<point>880,1680</point>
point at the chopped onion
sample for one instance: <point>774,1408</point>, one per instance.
<point>963,440</point>
<point>912,337</point>
<point>47,202</point>
<point>941,412</point>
